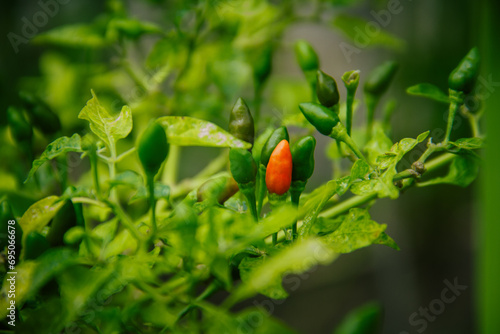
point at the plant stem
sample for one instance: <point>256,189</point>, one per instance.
<point>257,102</point>
<point>456,101</point>
<point>295,191</point>
<point>356,201</point>
<point>276,200</point>
<point>171,169</point>
<point>152,202</point>
<point>249,191</point>
<point>348,105</point>
<point>262,189</point>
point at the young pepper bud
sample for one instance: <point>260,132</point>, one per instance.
<point>153,148</point>
<point>379,79</point>
<point>241,122</point>
<point>279,169</point>
<point>244,172</point>
<point>326,89</point>
<point>323,119</point>
<point>274,139</point>
<point>463,77</point>
<point>242,166</point>
<point>303,158</point>
<point>306,56</point>
<point>40,114</point>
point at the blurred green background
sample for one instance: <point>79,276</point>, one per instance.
<point>436,228</point>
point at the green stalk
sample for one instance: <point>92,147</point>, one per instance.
<point>152,202</point>
<point>275,201</point>
<point>249,191</point>
<point>456,100</point>
<point>295,191</point>
<point>356,201</point>
<point>171,169</point>
<point>349,104</point>
<point>262,189</point>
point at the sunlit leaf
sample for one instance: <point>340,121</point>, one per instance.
<point>77,36</point>
<point>463,171</point>
<point>429,91</point>
<point>56,148</point>
<point>108,128</point>
<point>40,214</point>
<point>189,131</point>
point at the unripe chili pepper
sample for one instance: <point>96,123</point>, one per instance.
<point>464,76</point>
<point>242,166</point>
<point>379,79</point>
<point>303,158</point>
<point>328,123</point>
<point>351,81</point>
<point>153,148</point>
<point>241,122</point>
<point>323,119</point>
<point>35,245</point>
<point>65,219</point>
<point>279,169</point>
<point>274,139</point>
<point>263,65</point>
<point>20,127</point>
<point>326,89</point>
<point>40,114</point>
<point>306,56</point>
<point>244,170</point>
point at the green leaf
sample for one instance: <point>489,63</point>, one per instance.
<point>189,131</point>
<point>429,91</point>
<point>299,257</point>
<point>25,271</point>
<point>363,320</point>
<point>77,36</point>
<point>316,203</point>
<point>378,144</point>
<point>56,148</point>
<point>466,144</point>
<point>383,185</point>
<point>39,214</point>
<point>248,265</point>
<point>353,27</point>
<point>108,128</point>
<point>162,191</point>
<point>357,231</point>
<point>463,170</point>
<point>359,170</point>
<point>131,28</point>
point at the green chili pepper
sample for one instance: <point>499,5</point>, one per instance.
<point>306,56</point>
<point>153,148</point>
<point>328,123</point>
<point>241,122</point>
<point>303,167</point>
<point>274,139</point>
<point>244,170</point>
<point>263,65</point>
<point>379,79</point>
<point>35,245</point>
<point>65,219</point>
<point>464,76</point>
<point>351,81</point>
<point>242,165</point>
<point>326,89</point>
<point>40,114</point>
<point>303,158</point>
<point>22,130</point>
<point>323,119</point>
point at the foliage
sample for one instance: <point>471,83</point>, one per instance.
<point>123,270</point>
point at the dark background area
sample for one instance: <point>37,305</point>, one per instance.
<point>434,226</point>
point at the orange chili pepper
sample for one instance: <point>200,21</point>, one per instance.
<point>279,169</point>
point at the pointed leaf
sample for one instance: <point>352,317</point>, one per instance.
<point>429,91</point>
<point>56,148</point>
<point>40,214</point>
<point>108,128</point>
<point>189,131</point>
<point>463,171</point>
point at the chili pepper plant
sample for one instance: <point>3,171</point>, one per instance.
<point>110,239</point>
